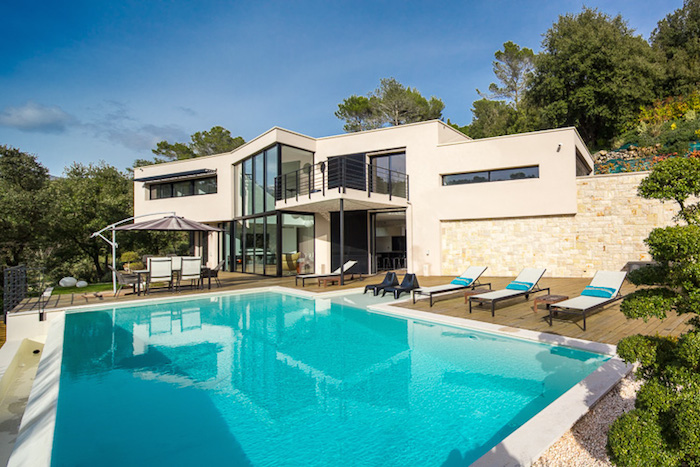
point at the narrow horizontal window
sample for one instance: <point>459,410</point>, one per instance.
<point>499,175</point>
<point>200,186</point>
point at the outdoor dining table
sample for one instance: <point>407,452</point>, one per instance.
<point>206,272</point>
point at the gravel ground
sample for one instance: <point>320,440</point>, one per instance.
<point>584,444</point>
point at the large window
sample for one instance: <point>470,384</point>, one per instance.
<point>389,174</point>
<point>499,175</point>
<point>200,186</point>
<point>258,182</point>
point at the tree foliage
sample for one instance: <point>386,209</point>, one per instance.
<point>24,204</point>
<point>594,74</point>
<point>491,118</point>
<point>88,198</point>
<point>664,427</point>
<point>513,67</point>
<point>390,104</point>
<point>203,143</point>
<point>677,37</point>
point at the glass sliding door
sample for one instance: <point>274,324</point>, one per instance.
<point>297,244</point>
<point>259,252</point>
<point>271,246</point>
<point>249,245</point>
<point>238,246</point>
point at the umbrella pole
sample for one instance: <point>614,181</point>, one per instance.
<point>114,262</point>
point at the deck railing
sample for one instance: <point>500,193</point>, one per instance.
<point>341,174</point>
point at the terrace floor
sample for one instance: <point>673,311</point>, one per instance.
<point>607,325</point>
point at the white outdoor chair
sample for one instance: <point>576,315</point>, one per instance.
<point>159,270</point>
<point>191,271</point>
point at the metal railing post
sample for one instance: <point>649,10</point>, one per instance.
<point>389,185</point>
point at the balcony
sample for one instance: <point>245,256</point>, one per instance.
<point>365,186</point>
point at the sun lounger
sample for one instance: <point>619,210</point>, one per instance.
<point>468,280</point>
<point>390,280</point>
<point>603,290</point>
<point>346,269</point>
<point>525,284</point>
<point>409,282</point>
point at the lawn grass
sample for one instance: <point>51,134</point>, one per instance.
<point>101,287</point>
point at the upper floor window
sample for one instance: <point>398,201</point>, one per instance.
<point>199,186</point>
<point>498,175</point>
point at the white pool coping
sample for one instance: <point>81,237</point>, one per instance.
<point>522,447</point>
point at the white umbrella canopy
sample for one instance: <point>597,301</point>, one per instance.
<point>170,223</point>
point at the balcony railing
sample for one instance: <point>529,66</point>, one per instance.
<point>341,174</point>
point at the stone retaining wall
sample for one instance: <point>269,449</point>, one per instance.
<point>607,232</point>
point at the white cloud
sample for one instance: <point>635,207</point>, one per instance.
<point>34,117</point>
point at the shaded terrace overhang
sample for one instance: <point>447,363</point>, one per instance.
<point>330,202</point>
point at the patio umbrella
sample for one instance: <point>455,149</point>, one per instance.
<point>170,223</point>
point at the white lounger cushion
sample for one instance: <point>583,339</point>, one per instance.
<point>531,275</point>
<point>346,266</point>
<point>581,302</point>
<point>498,294</point>
<point>611,279</point>
<point>473,273</point>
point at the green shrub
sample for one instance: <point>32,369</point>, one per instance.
<point>664,427</point>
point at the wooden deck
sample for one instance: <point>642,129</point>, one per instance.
<point>608,325</point>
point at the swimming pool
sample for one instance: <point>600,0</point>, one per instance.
<point>276,379</point>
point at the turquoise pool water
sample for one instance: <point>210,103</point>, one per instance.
<point>272,379</point>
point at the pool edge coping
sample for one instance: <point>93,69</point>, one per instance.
<point>34,444</point>
<point>518,448</point>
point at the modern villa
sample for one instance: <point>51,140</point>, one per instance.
<point>267,372</point>
<point>422,196</point>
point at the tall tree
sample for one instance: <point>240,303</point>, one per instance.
<point>358,113</point>
<point>664,427</point>
<point>513,67</point>
<point>89,198</point>
<point>24,204</point>
<point>677,37</point>
<point>593,73</point>
<point>203,143</point>
<point>390,104</point>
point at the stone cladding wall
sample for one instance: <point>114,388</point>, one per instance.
<point>606,233</point>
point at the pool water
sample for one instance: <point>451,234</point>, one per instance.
<point>274,379</point>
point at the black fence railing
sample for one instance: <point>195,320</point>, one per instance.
<point>341,174</point>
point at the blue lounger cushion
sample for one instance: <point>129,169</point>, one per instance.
<point>517,285</point>
<point>465,281</point>
<point>603,292</point>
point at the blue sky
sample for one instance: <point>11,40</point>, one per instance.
<point>94,80</point>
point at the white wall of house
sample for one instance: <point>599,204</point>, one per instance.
<point>433,149</point>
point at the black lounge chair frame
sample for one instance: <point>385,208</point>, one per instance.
<point>453,290</point>
<point>409,283</point>
<point>553,309</point>
<point>493,301</point>
<point>390,280</point>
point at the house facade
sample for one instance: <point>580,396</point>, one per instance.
<point>387,198</point>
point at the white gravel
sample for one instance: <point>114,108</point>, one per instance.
<point>584,444</point>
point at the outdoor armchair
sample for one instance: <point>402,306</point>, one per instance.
<point>409,282</point>
<point>390,280</point>
<point>191,270</point>
<point>124,280</point>
<point>525,284</point>
<point>159,270</point>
